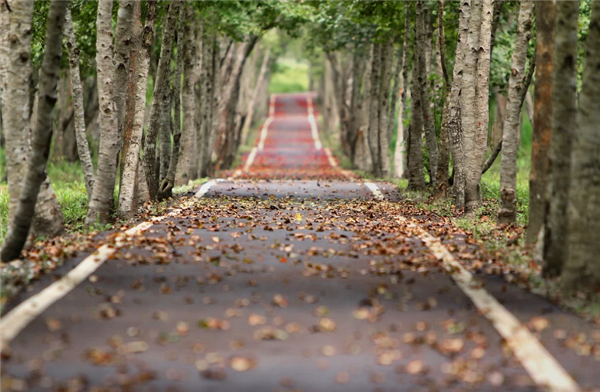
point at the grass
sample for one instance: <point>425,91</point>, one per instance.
<point>290,76</point>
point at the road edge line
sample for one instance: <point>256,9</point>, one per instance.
<point>542,367</point>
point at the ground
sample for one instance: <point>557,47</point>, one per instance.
<point>290,274</point>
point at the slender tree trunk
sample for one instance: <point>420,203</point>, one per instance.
<point>104,186</point>
<point>453,122</point>
<point>4,56</point>
<point>42,134</point>
<point>444,152</point>
<point>396,91</point>
<point>185,144</point>
<point>164,135</point>
<point>423,80</point>
<point>387,57</point>
<point>160,98</point>
<point>358,68</point>
<point>185,47</point>
<point>581,269</point>
<point>470,110</point>
<point>133,173</point>
<point>374,112</point>
<point>415,134</point>
<point>252,102</point>
<point>131,89</point>
<point>121,56</point>
<point>507,211</point>
<point>545,13</point>
<point>83,148</point>
<point>400,150</point>
<point>210,66</point>
<point>564,127</point>
<point>16,99</point>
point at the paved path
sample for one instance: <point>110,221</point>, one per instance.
<point>321,282</point>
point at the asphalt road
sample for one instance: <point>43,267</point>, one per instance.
<point>289,276</point>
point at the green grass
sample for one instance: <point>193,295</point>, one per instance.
<point>290,76</point>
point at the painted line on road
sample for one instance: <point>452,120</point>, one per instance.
<point>375,189</point>
<point>206,187</point>
<point>250,159</point>
<point>263,133</point>
<point>332,160</point>
<point>541,366</point>
<point>313,124</point>
<point>18,318</point>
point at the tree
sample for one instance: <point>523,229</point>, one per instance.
<point>400,147</point>
<point>581,268</point>
<point>160,101</point>
<point>564,125</point>
<point>131,167</point>
<point>507,212</point>
<point>545,15</point>
<point>102,195</point>
<point>42,134</point>
<point>83,148</point>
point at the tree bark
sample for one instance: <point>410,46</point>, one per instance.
<point>581,269</point>
<point>121,57</point>
<point>453,122</point>
<point>83,148</point>
<point>160,99</point>
<point>42,134</point>
<point>210,63</point>
<point>133,173</point>
<point>444,152</point>
<point>181,168</point>
<point>400,158</point>
<point>422,76</point>
<point>415,134</point>
<point>374,111</point>
<point>185,47</point>
<point>265,66</point>
<point>545,15</point>
<point>104,186</point>
<point>511,137</point>
<point>564,125</point>
<point>387,57</point>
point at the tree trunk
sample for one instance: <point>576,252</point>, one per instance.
<point>185,143</point>
<point>133,173</point>
<point>4,58</point>
<point>415,133</point>
<point>121,57</point>
<point>42,134</point>
<point>581,269</point>
<point>252,102</point>
<point>374,112</point>
<point>185,45</point>
<point>387,58</point>
<point>545,13</point>
<point>16,100</point>
<point>104,186</point>
<point>83,148</point>
<point>470,111</point>
<point>164,135</point>
<point>507,210</point>
<point>453,122</point>
<point>396,91</point>
<point>354,134</point>
<point>210,59</point>
<point>422,76</point>
<point>444,152</point>
<point>400,150</point>
<point>160,98</point>
<point>564,125</point>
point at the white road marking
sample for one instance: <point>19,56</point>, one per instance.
<point>250,159</point>
<point>541,366</point>
<point>375,189</point>
<point>332,160</point>
<point>313,124</point>
<point>206,187</point>
<point>18,318</point>
<point>263,133</point>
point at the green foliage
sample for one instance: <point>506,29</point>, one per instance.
<point>289,76</point>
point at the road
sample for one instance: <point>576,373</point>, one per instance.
<point>291,275</point>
